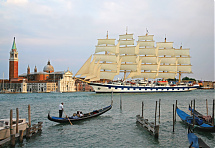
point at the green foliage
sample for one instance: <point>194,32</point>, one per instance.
<point>187,78</point>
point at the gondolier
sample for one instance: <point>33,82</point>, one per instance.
<point>60,110</point>
<point>85,116</point>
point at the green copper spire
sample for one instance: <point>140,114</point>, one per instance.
<point>14,44</point>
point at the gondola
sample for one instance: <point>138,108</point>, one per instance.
<point>194,141</point>
<point>85,116</point>
<point>206,119</point>
<point>199,124</point>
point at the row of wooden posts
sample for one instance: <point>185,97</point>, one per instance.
<point>145,122</point>
<point>192,114</point>
<point>30,130</point>
<point>174,110</point>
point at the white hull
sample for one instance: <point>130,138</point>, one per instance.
<point>116,88</point>
<point>5,129</point>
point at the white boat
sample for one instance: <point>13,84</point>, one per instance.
<point>5,127</point>
<point>142,61</point>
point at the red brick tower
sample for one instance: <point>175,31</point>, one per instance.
<point>28,70</point>
<point>13,62</point>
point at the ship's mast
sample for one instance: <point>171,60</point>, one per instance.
<point>180,71</point>
<point>125,54</point>
<point>3,81</point>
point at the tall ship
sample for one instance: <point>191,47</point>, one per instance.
<point>128,68</point>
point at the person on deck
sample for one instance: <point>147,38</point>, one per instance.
<point>60,110</point>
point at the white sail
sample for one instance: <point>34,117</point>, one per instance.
<point>166,52</point>
<point>184,68</point>
<point>148,51</point>
<point>126,36</point>
<point>97,78</point>
<point>129,58</point>
<point>165,44</point>
<point>107,75</point>
<point>106,41</point>
<point>166,75</point>
<point>136,73</point>
<point>90,68</point>
<point>111,49</point>
<point>168,68</point>
<point>149,59</point>
<point>184,60</point>
<point>85,68</point>
<point>127,50</point>
<point>129,67</point>
<point>146,43</point>
<point>182,52</point>
<point>147,37</point>
<point>151,75</point>
<point>106,58</point>
<point>93,72</point>
<point>109,66</point>
<point>151,67</point>
<point>168,60</point>
<point>127,42</point>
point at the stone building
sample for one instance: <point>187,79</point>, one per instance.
<point>46,81</point>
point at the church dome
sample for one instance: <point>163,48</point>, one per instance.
<point>48,68</point>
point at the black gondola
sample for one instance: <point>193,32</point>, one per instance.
<point>206,119</point>
<point>92,114</point>
<point>199,124</point>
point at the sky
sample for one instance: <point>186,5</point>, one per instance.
<point>66,31</point>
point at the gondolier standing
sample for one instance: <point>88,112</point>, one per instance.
<point>60,110</point>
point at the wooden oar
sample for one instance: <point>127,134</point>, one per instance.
<point>67,117</point>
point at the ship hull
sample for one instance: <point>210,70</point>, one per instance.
<point>108,88</point>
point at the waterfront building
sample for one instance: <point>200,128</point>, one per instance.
<point>208,85</point>
<point>46,81</point>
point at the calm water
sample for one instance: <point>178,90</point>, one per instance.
<point>115,128</point>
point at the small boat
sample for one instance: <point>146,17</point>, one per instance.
<point>199,124</point>
<point>5,127</point>
<point>206,119</point>
<point>85,116</point>
<point>194,141</point>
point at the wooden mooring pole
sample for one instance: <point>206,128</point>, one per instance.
<point>29,115</point>
<point>207,106</point>
<point>191,107</point>
<point>173,118</point>
<point>12,140</point>
<point>175,110</point>
<point>142,108</point>
<point>159,109</point>
<point>213,114</point>
<point>21,133</point>
<point>17,120</point>
<point>11,122</point>
<point>121,101</point>
<point>155,112</point>
<point>193,113</point>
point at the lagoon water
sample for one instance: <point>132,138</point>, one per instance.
<point>115,128</point>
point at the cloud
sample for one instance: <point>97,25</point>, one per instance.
<point>16,1</point>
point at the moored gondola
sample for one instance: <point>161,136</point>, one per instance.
<point>85,116</point>
<point>206,119</point>
<point>199,124</point>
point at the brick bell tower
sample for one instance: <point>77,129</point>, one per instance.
<point>13,62</point>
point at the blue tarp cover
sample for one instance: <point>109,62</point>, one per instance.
<point>194,138</point>
<point>189,119</point>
